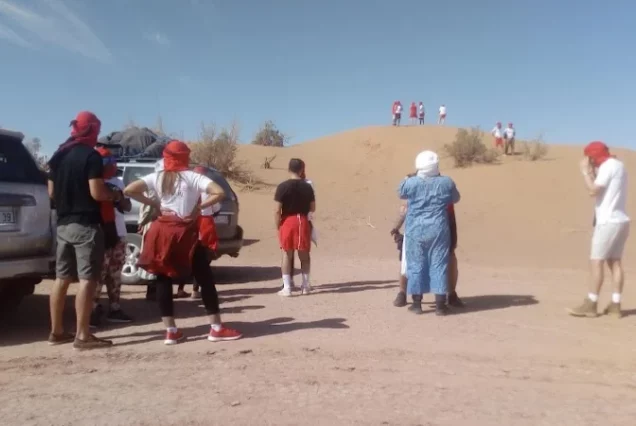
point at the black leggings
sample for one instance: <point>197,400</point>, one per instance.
<point>203,276</point>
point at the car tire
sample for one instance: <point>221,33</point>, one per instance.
<point>130,271</point>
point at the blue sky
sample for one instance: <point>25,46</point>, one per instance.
<point>557,67</point>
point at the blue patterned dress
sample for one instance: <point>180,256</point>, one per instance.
<point>427,232</point>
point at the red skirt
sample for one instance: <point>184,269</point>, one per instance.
<point>207,232</point>
<point>169,247</point>
<point>295,233</point>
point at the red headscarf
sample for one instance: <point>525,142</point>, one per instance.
<point>84,130</point>
<point>598,152</point>
<point>176,157</point>
<point>110,164</point>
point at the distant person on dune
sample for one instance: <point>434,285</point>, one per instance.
<point>509,139</point>
<point>397,113</point>
<point>427,238</point>
<point>413,113</point>
<point>422,112</point>
<point>606,179</point>
<point>453,271</point>
<point>442,115</point>
<point>295,200</point>
<point>498,135</point>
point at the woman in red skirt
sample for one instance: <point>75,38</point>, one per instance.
<point>171,245</point>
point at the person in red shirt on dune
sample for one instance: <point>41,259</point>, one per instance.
<point>413,114</point>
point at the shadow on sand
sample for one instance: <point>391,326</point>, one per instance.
<point>249,329</point>
<point>490,302</point>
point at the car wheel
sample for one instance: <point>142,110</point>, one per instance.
<point>130,271</point>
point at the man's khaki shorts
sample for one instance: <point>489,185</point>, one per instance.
<point>80,252</point>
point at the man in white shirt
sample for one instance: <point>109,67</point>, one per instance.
<point>397,117</point>
<point>442,115</point>
<point>498,135</point>
<point>509,138</point>
<point>611,228</point>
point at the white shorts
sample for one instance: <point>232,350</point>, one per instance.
<point>403,262</point>
<point>608,241</point>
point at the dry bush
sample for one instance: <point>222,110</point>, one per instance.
<point>267,164</point>
<point>269,135</point>
<point>468,148</point>
<point>218,150</point>
<point>534,150</point>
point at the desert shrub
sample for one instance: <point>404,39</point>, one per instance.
<point>218,150</point>
<point>534,150</point>
<point>269,135</point>
<point>468,148</point>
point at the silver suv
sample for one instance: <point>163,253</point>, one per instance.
<point>27,231</point>
<point>229,232</point>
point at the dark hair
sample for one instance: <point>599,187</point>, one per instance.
<point>296,165</point>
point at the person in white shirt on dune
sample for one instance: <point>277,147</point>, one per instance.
<point>498,135</point>
<point>509,140</point>
<point>606,179</point>
<point>442,115</point>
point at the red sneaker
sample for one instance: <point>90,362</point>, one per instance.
<point>223,334</point>
<point>173,338</point>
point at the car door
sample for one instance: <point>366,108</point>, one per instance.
<point>25,208</point>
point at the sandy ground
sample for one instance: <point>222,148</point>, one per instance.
<point>345,355</point>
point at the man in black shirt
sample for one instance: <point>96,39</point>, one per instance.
<point>295,199</point>
<point>76,186</point>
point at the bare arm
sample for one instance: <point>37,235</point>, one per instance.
<point>400,220</point>
<point>51,187</point>
<point>215,195</point>
<point>278,214</point>
<point>136,190</point>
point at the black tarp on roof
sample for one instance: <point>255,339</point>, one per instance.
<point>136,142</point>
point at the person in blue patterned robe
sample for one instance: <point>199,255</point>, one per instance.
<point>427,231</point>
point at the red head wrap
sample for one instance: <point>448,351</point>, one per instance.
<point>598,152</point>
<point>85,128</point>
<point>176,157</point>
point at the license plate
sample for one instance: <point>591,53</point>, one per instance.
<point>7,216</point>
<point>221,220</point>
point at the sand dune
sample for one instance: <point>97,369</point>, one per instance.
<point>516,213</point>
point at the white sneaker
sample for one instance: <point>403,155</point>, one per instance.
<point>305,290</point>
<point>285,292</point>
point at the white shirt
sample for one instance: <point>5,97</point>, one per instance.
<point>611,202</point>
<point>496,132</point>
<point>510,132</point>
<point>398,109</point>
<point>190,185</point>
<point>442,110</point>
<point>120,222</point>
<point>421,109</point>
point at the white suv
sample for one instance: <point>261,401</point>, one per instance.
<point>27,231</point>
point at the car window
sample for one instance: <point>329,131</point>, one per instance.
<point>16,164</point>
<point>132,173</point>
